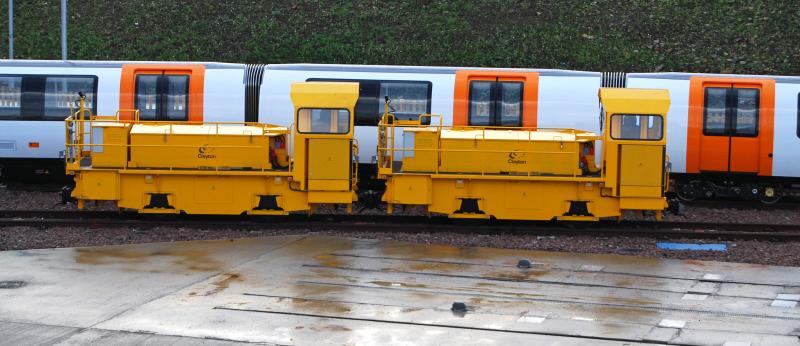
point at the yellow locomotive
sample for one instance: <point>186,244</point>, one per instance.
<point>220,168</point>
<point>532,173</point>
<point>462,172</point>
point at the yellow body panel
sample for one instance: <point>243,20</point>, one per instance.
<point>329,159</point>
<point>519,200</point>
<point>200,194</point>
<point>641,165</point>
<point>110,144</point>
<point>421,154</point>
<point>98,185</point>
<point>201,146</point>
<point>492,151</point>
<point>509,156</point>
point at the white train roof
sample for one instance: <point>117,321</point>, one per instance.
<point>109,64</point>
<point>687,75</point>
<point>420,69</point>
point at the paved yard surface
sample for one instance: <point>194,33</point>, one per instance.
<point>311,290</point>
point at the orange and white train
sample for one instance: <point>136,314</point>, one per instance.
<point>728,135</point>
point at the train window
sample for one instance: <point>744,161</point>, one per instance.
<point>495,103</point>
<point>177,91</point>
<point>60,94</point>
<point>637,127</point>
<point>321,120</point>
<point>480,103</point>
<point>746,123</point>
<point>714,117</point>
<point>147,100</point>
<point>162,97</point>
<point>731,112</point>
<point>510,104</point>
<point>409,100</point>
<point>10,97</point>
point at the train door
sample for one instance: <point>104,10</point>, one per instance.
<point>162,92</point>
<point>730,125</point>
<point>495,98</point>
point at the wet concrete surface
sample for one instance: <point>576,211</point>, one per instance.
<point>321,290</point>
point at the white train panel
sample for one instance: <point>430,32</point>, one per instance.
<point>677,118</point>
<point>223,99</point>
<point>786,149</point>
<point>43,139</point>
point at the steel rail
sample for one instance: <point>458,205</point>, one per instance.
<point>398,223</point>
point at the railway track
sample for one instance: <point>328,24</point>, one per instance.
<point>409,224</point>
<point>743,205</point>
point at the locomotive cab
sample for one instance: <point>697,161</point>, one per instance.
<point>634,153</point>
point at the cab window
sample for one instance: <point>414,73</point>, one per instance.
<point>637,127</point>
<point>321,120</point>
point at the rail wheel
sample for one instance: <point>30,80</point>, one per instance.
<point>686,192</point>
<point>769,195</point>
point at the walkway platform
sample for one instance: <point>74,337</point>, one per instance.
<point>320,290</point>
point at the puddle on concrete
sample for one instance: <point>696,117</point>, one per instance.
<point>181,255</point>
<point>320,306</point>
<point>314,297</point>
<point>224,282</point>
<point>8,285</point>
<point>640,301</point>
<point>397,284</point>
<point>329,260</point>
<point>436,267</point>
<point>521,275</point>
<point>416,251</point>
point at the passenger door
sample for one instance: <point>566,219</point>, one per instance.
<point>730,126</point>
<point>162,92</point>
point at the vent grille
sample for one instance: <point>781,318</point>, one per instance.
<point>614,80</point>
<point>253,77</point>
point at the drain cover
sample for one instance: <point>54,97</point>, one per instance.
<point>11,284</point>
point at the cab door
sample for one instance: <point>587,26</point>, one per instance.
<point>162,92</point>
<point>730,126</point>
<point>495,98</point>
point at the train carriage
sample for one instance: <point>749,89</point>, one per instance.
<point>730,135</point>
<point>36,97</point>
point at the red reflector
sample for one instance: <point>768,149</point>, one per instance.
<point>33,144</point>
